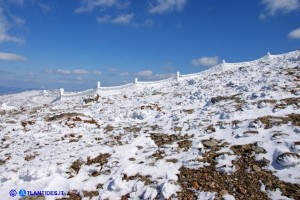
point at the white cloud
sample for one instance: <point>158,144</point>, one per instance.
<point>206,61</point>
<point>164,6</point>
<point>125,74</point>
<point>11,56</point>
<point>144,73</point>
<point>294,34</point>
<point>90,5</point>
<point>78,78</point>
<point>18,2</point>
<point>62,71</point>
<point>120,19</point>
<point>72,72</point>
<point>123,19</point>
<point>80,71</point>
<point>4,36</point>
<point>284,6</point>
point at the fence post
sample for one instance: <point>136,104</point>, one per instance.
<point>135,80</point>
<point>61,90</point>
<point>177,75</point>
<point>98,84</point>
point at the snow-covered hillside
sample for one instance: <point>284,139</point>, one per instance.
<point>230,132</point>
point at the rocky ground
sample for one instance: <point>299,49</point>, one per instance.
<point>232,132</point>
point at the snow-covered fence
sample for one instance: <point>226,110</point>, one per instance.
<point>148,83</point>
<point>120,87</point>
<point>218,68</point>
<point>74,94</point>
<point>116,87</point>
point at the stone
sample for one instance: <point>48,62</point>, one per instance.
<point>210,143</point>
<point>223,192</point>
<point>259,150</point>
<point>195,185</point>
<point>242,190</point>
<point>256,168</point>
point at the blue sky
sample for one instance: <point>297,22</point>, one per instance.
<point>74,43</point>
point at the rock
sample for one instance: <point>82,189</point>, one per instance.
<point>265,161</point>
<point>195,185</point>
<point>210,143</point>
<point>288,159</point>
<point>242,190</point>
<point>223,192</point>
<point>258,150</point>
<point>212,185</point>
<point>73,171</point>
<point>185,144</point>
<point>256,168</point>
<point>250,133</point>
<point>178,129</point>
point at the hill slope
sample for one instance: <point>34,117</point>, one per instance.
<point>232,131</point>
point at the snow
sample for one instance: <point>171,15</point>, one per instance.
<point>180,107</point>
<point>228,197</point>
<point>277,195</point>
<point>205,195</point>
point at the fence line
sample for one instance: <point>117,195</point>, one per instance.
<point>218,68</point>
<point>116,87</point>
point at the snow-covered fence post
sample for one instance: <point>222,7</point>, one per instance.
<point>268,54</point>
<point>177,75</point>
<point>61,90</point>
<point>98,84</point>
<point>135,80</point>
<point>223,61</point>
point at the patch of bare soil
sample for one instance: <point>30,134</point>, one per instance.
<point>145,179</point>
<point>159,154</point>
<point>109,128</point>
<point>91,99</point>
<point>76,165</point>
<point>63,116</point>
<point>210,128</point>
<point>270,121</point>
<point>25,123</point>
<point>151,107</point>
<point>188,111</point>
<point>227,98</point>
<point>132,129</point>
<point>185,144</point>
<point>90,193</point>
<point>245,183</point>
<point>162,139</point>
<point>102,159</point>
<point>29,157</point>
